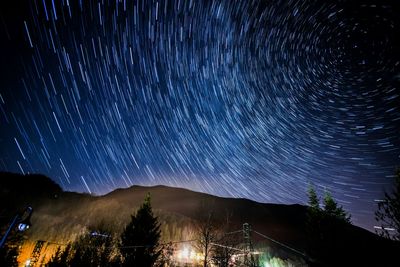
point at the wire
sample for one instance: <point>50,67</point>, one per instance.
<point>165,243</point>
<point>281,244</point>
<point>234,232</point>
<point>224,246</point>
<point>124,247</point>
<point>193,240</point>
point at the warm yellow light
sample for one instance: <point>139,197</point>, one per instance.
<point>199,256</point>
<point>188,254</point>
<point>192,255</point>
<point>184,253</point>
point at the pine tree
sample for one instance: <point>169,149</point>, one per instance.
<point>55,259</point>
<point>313,224</point>
<point>313,200</point>
<point>91,250</point>
<point>322,227</point>
<point>330,205</point>
<point>388,213</point>
<point>332,209</point>
<point>140,239</point>
<point>60,257</point>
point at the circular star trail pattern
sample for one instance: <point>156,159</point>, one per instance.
<point>254,99</point>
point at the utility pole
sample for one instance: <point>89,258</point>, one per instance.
<point>248,255</point>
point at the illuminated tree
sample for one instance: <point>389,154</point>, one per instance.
<point>166,256</point>
<point>9,252</point>
<point>228,241</point>
<point>388,213</point>
<point>92,249</point>
<point>206,232</point>
<point>60,257</point>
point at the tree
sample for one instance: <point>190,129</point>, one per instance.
<point>93,248</point>
<point>332,209</point>
<point>166,257</point>
<point>60,257</point>
<point>388,213</point>
<point>9,252</point>
<point>140,239</point>
<point>8,255</point>
<point>314,230</point>
<point>313,200</point>
<point>206,232</point>
<point>228,240</point>
<point>323,226</point>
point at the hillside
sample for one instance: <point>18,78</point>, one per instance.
<point>60,216</point>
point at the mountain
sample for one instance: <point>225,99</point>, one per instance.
<point>61,216</point>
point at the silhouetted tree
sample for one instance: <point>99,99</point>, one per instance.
<point>228,240</point>
<point>60,257</point>
<point>332,209</point>
<point>93,248</point>
<point>313,224</point>
<point>140,239</point>
<point>206,232</point>
<point>322,227</point>
<point>388,213</point>
<point>8,255</point>
<point>313,200</point>
<point>9,252</point>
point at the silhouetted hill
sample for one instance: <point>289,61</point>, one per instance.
<point>273,218</point>
<point>353,246</point>
<point>61,216</point>
<point>17,191</point>
<point>33,184</point>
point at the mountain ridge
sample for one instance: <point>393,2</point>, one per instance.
<point>61,216</point>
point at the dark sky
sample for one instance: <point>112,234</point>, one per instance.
<point>254,99</point>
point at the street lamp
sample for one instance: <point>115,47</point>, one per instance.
<point>24,222</point>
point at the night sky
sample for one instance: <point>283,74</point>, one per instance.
<point>251,98</point>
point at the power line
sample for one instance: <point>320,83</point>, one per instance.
<point>229,247</point>
<point>166,243</point>
<point>143,246</point>
<point>194,240</point>
<point>234,232</point>
<point>125,247</point>
<point>281,244</point>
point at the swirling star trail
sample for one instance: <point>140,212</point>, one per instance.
<point>254,99</point>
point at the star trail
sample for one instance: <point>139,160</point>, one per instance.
<point>254,99</point>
